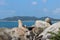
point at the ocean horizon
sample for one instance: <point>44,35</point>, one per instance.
<point>12,24</point>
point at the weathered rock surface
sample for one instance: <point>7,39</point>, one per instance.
<point>4,34</point>
<point>41,24</point>
<point>22,33</point>
<point>53,28</point>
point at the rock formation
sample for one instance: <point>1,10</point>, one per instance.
<point>38,32</point>
<point>53,28</point>
<point>48,20</point>
<point>19,32</point>
<point>20,23</point>
<point>41,24</point>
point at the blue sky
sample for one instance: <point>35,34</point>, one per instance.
<point>38,8</point>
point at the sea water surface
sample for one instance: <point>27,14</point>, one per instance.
<point>15,24</point>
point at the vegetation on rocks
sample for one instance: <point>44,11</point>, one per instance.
<point>55,36</point>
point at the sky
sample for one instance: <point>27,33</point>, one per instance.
<point>37,8</point>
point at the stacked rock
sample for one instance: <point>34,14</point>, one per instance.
<point>48,20</point>
<point>19,32</point>
<point>20,23</point>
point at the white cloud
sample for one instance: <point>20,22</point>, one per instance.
<point>34,3</point>
<point>2,2</point>
<point>7,11</point>
<point>45,10</point>
<point>44,1</point>
<point>57,10</point>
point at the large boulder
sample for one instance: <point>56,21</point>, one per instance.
<point>53,28</point>
<point>41,24</point>
<point>19,33</point>
<point>38,28</point>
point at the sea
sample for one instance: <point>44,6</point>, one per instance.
<point>15,24</point>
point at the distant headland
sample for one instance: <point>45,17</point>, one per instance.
<point>26,18</point>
